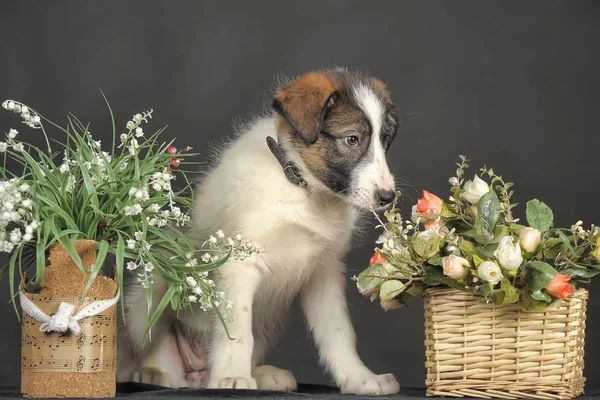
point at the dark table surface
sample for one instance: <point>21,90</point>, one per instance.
<point>142,391</point>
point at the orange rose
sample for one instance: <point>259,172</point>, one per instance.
<point>377,258</point>
<point>429,206</point>
<point>560,287</point>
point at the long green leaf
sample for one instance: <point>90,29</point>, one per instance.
<point>100,257</point>
<point>159,309</point>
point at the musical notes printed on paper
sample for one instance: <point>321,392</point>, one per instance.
<point>93,350</point>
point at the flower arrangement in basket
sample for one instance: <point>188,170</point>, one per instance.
<point>65,213</point>
<point>489,281</point>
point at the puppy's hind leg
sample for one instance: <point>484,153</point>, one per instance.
<point>159,362</point>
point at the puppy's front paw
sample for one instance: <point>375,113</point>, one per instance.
<point>273,378</point>
<point>232,383</point>
<point>371,385</point>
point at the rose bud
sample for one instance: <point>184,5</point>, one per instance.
<point>455,267</point>
<point>376,259</point>
<point>172,150</point>
<point>490,272</point>
<point>391,304</point>
<point>530,239</point>
<point>560,287</point>
<point>429,207</point>
<point>508,253</point>
<point>475,189</point>
<point>175,162</point>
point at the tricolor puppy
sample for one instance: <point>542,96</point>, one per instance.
<point>293,182</point>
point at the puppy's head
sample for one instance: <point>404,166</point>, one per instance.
<point>341,125</point>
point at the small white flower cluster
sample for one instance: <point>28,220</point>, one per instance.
<point>578,230</point>
<point>218,243</point>
<point>134,129</point>
<point>199,289</point>
<point>144,272</point>
<point>30,118</point>
<point>161,181</point>
<point>17,225</point>
<point>144,268</point>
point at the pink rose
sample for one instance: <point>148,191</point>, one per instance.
<point>455,267</point>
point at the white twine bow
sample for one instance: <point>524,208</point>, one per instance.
<point>63,319</point>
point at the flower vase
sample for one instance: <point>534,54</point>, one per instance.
<point>79,361</point>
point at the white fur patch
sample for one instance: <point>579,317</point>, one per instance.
<point>374,173</point>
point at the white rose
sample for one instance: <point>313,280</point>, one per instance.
<point>455,267</point>
<point>508,253</point>
<point>530,239</point>
<point>475,189</point>
<point>489,272</point>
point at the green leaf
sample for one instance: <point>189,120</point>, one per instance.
<point>446,213</point>
<point>100,257</point>
<point>488,211</point>
<point>529,304</point>
<point>511,295</point>
<point>552,247</point>
<point>368,283</point>
<point>566,242</point>
<point>538,274</point>
<point>477,260</point>
<point>437,261</point>
<point>487,252</point>
<point>120,259</point>
<point>539,215</point>
<point>540,295</point>
<point>467,248</point>
<point>164,302</point>
<point>434,276</point>
<point>580,272</point>
<point>391,289</point>
<point>500,232</point>
<point>427,243</point>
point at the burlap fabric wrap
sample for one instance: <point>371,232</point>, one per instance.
<point>56,364</point>
<point>481,350</point>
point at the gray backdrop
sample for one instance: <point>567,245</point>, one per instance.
<point>513,84</point>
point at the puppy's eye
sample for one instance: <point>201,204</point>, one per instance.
<point>351,140</point>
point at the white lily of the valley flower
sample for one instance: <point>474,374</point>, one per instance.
<point>191,282</point>
<point>508,253</point>
<point>3,147</point>
<point>490,272</point>
<point>70,186</point>
<point>131,266</point>
<point>475,189</point>
<point>13,133</point>
<point>530,239</point>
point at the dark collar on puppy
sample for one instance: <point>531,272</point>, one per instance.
<point>291,170</point>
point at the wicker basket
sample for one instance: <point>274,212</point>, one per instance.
<point>475,349</point>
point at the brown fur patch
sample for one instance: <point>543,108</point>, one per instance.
<point>302,102</point>
<point>381,89</point>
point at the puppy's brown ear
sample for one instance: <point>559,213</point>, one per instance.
<point>304,104</point>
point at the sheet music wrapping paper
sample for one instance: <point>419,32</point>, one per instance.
<point>93,350</point>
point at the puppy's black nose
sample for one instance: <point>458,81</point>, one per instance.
<point>385,197</point>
